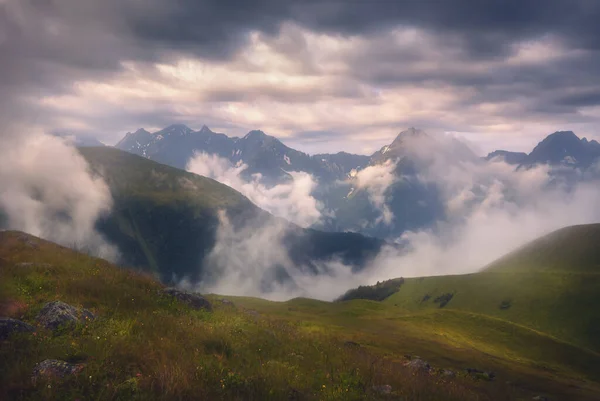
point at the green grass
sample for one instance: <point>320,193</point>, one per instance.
<point>146,346</point>
<point>551,285</point>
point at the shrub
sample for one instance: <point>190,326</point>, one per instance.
<point>377,292</point>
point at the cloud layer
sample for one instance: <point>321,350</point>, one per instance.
<point>491,208</point>
<point>502,75</point>
<point>46,190</point>
<point>292,201</point>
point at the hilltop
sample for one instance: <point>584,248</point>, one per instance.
<point>145,345</point>
<point>551,285</point>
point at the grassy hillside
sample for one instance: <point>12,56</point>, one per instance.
<point>165,219</point>
<point>551,285</point>
<point>146,346</point>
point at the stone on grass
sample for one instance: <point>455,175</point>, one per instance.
<point>56,314</point>
<point>227,302</point>
<point>419,364</point>
<point>10,326</point>
<point>54,369</point>
<point>194,300</point>
<point>384,389</point>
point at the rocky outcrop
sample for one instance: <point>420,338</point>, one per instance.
<point>10,326</point>
<point>194,300</point>
<point>54,369</point>
<point>59,314</point>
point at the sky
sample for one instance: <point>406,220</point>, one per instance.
<point>323,76</point>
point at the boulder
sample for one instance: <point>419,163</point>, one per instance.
<point>56,314</point>
<point>419,364</point>
<point>54,369</point>
<point>194,300</point>
<point>384,389</point>
<point>227,302</point>
<point>9,326</point>
<point>448,373</point>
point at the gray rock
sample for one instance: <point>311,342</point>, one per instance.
<point>448,373</point>
<point>385,389</point>
<point>9,326</point>
<point>194,300</point>
<point>56,314</point>
<point>54,368</point>
<point>419,364</point>
<point>227,302</point>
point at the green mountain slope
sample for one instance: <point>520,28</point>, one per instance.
<point>144,345</point>
<point>551,285</point>
<point>165,219</point>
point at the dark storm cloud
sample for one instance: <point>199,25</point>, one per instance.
<point>46,45</point>
<point>485,27</point>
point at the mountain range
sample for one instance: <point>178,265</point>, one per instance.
<point>413,202</point>
<point>264,154</point>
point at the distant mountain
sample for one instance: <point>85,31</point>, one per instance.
<point>264,154</point>
<point>413,202</point>
<point>165,220</point>
<point>562,148</point>
<point>514,158</point>
<point>565,148</point>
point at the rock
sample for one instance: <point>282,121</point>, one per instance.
<point>540,398</point>
<point>252,312</point>
<point>9,326</point>
<point>54,368</point>
<point>385,389</point>
<point>227,302</point>
<point>448,373</point>
<point>55,314</point>
<point>419,364</point>
<point>194,300</point>
<point>480,374</point>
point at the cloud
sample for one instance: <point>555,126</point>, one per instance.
<point>292,200</point>
<point>491,209</point>
<point>376,180</point>
<point>254,260</point>
<point>499,73</point>
<point>485,235</point>
<point>45,186</point>
<point>46,190</point>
